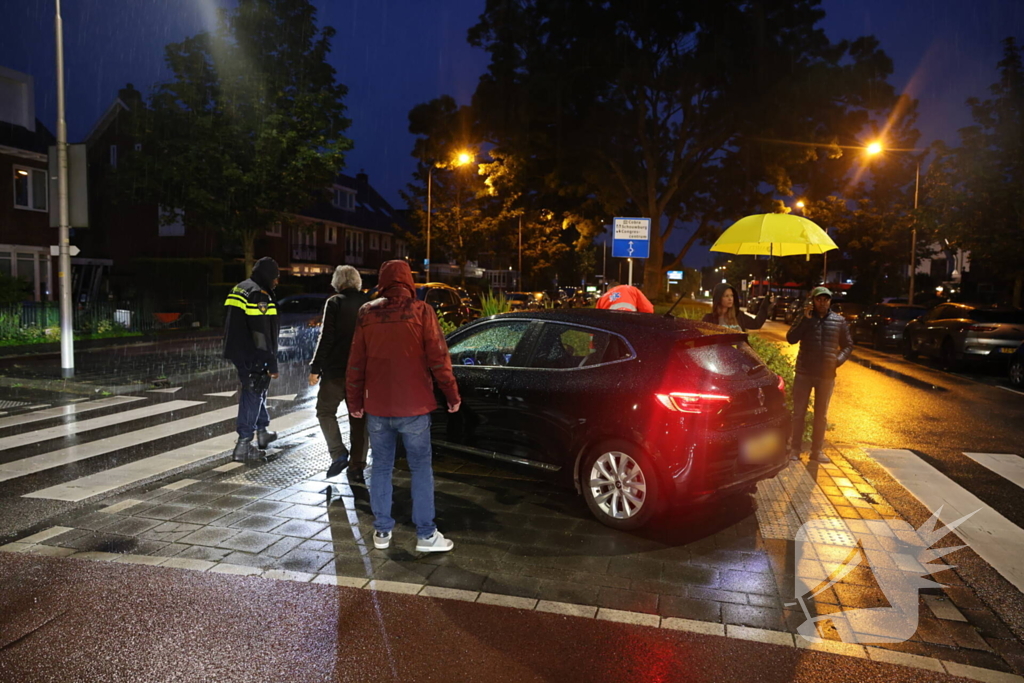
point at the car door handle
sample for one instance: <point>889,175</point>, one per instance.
<point>486,391</point>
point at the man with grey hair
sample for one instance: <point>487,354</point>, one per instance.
<point>329,363</point>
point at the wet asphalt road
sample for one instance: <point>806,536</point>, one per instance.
<point>884,401</point>
<point>68,620</point>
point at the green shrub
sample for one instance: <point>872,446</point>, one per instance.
<point>785,366</point>
<point>447,327</point>
<point>493,304</point>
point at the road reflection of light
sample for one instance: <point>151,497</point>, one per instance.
<point>364,552</point>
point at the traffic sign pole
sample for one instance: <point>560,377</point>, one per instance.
<point>67,350</point>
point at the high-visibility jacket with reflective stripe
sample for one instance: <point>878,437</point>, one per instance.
<point>250,325</point>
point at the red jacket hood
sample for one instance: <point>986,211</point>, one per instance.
<point>396,274</point>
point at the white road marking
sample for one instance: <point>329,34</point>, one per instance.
<point>284,397</point>
<point>224,394</point>
<point>66,456</point>
<point>994,538</point>
<point>103,482</point>
<point>96,423</point>
<point>1007,465</point>
<point>169,390</point>
<point>1012,391</point>
<point>61,411</point>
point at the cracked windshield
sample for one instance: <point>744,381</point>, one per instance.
<point>512,340</point>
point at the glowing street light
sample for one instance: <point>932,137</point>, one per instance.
<point>874,149</point>
<point>461,159</point>
<point>800,204</point>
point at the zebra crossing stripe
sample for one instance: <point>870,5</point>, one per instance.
<point>66,456</point>
<point>96,423</point>
<point>148,468</point>
<point>61,411</point>
<point>1007,465</point>
<point>993,537</point>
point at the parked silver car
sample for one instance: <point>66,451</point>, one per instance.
<point>956,332</point>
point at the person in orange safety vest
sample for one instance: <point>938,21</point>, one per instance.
<point>625,298</point>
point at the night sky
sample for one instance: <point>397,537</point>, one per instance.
<point>394,54</point>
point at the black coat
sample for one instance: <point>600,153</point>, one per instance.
<point>339,325</point>
<point>250,324</point>
<point>825,343</point>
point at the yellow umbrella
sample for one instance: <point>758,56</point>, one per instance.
<point>774,234</point>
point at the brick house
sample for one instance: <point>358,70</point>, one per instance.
<point>25,232</point>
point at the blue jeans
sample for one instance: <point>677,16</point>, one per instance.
<point>252,406</point>
<point>415,432</point>
<point>802,385</point>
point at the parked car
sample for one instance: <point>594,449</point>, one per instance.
<point>446,302</point>
<point>754,305</point>
<point>954,332</point>
<point>848,310</point>
<point>778,309</point>
<point>518,301</point>
<point>299,317</point>
<point>540,301</point>
<point>792,310</point>
<point>1017,368</point>
<point>635,411</point>
<point>581,299</point>
<point>883,324</point>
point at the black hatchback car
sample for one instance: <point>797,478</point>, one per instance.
<point>633,410</point>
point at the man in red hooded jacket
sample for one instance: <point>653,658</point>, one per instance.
<point>397,347</point>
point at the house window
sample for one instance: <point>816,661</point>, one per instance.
<point>171,223</point>
<point>113,156</point>
<point>354,243</point>
<point>344,199</point>
<point>30,187</point>
<point>331,234</point>
<point>374,241</point>
<point>274,230</point>
<point>401,249</point>
<point>385,243</point>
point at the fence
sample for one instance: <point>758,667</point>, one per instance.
<point>39,321</point>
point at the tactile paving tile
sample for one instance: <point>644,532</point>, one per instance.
<point>792,498</point>
<point>293,466</point>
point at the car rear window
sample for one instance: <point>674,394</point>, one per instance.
<point>989,316</point>
<point>734,359</point>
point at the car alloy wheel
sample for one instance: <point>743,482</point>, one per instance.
<point>618,485</point>
<point>948,356</point>
<point>1017,373</point>
<point>909,352</point>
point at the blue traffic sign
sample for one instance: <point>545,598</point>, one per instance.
<point>631,238</point>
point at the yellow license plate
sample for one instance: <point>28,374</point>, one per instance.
<point>758,449</point>
<point>1006,349</point>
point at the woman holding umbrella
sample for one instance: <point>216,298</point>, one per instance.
<point>725,310</point>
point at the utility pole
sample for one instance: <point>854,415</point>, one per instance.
<point>913,235</point>
<point>519,279</point>
<point>67,340</point>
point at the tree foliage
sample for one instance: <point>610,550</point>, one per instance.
<point>974,193</point>
<point>672,110</point>
<point>251,122</point>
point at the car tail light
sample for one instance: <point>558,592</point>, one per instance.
<point>981,328</point>
<point>315,322</point>
<point>782,385</point>
<point>886,321</point>
<point>687,402</point>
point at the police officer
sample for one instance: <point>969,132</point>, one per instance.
<point>250,342</point>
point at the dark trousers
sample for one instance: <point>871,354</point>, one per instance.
<point>802,386</point>
<point>252,406</point>
<point>332,393</point>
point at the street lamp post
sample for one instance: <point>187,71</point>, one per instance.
<point>519,276</point>
<point>67,351</point>
<point>876,148</point>
<point>430,183</point>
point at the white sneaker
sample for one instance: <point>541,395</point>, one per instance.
<point>381,541</point>
<point>434,544</point>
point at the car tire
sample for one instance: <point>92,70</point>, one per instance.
<point>908,348</point>
<point>879,341</point>
<point>602,485</point>
<point>1017,373</point>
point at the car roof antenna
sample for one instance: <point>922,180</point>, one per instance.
<point>669,313</point>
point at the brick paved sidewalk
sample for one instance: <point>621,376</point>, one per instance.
<point>521,537</point>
